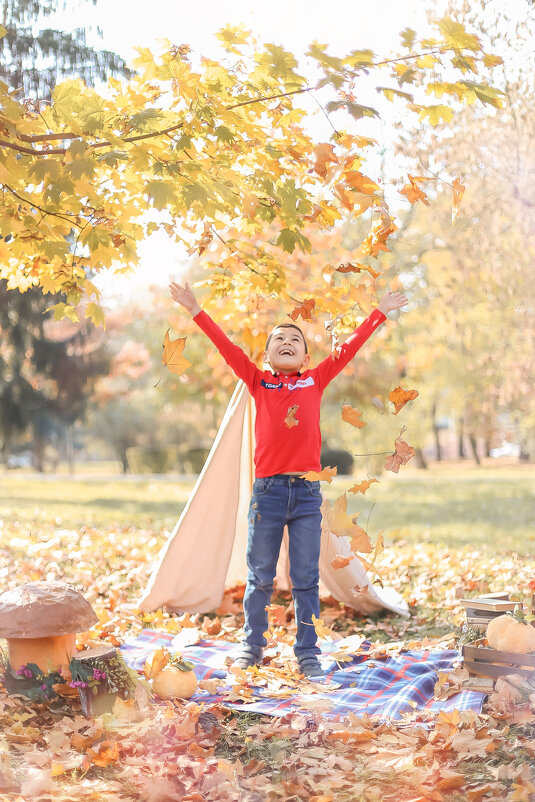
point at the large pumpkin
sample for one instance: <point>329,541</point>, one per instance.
<point>509,635</point>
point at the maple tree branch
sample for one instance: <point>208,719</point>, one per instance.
<point>66,218</point>
<point>135,138</point>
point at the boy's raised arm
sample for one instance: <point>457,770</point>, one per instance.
<point>332,365</point>
<point>232,354</point>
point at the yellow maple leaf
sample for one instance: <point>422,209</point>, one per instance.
<point>326,475</point>
<point>172,354</point>
<point>352,416</point>
<point>341,524</point>
<point>321,630</point>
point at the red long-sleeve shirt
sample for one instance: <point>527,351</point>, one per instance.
<point>279,448</point>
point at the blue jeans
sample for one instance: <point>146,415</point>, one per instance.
<point>278,501</point>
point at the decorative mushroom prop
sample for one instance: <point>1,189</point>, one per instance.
<point>172,678</point>
<point>40,621</point>
<point>507,634</point>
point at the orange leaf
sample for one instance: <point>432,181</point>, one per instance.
<point>402,454</point>
<point>56,769</point>
<point>341,562</point>
<point>323,154</point>
<point>347,267</point>
<point>361,183</point>
<point>413,192</point>
<point>172,354</point>
<point>305,310</point>
<point>458,192</point>
<point>400,397</point>
<point>155,662</point>
<point>290,420</point>
<point>108,753</point>
<point>325,475</point>
<point>362,487</point>
<point>321,630</point>
<point>352,416</point>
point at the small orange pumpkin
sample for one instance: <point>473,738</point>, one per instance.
<point>508,634</point>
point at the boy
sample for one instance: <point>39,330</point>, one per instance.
<point>288,445</point>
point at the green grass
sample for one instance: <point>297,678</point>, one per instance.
<point>490,508</point>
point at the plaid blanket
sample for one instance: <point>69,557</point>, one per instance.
<point>389,687</point>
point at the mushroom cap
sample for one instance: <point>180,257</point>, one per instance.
<point>42,610</point>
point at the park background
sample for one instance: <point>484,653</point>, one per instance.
<point>101,445</point>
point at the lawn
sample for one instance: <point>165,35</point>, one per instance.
<point>450,532</point>
<point>491,508</point>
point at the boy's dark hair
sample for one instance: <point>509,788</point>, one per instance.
<point>287,326</point>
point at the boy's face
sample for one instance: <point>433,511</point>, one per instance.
<point>285,351</point>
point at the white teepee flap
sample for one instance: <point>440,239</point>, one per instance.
<point>192,567</point>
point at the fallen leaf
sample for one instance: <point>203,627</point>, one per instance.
<point>352,416</point>
<point>290,419</point>
<point>172,354</point>
<point>325,475</point>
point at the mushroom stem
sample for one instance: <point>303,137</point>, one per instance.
<point>47,653</point>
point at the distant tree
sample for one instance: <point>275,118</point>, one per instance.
<point>34,61</point>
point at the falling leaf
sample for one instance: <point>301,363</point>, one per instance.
<point>290,420</point>
<point>321,630</point>
<point>412,191</point>
<point>305,310</point>
<point>402,454</point>
<point>325,475</point>
<point>204,242</point>
<point>341,524</point>
<point>378,403</point>
<point>400,397</point>
<point>352,416</point>
<point>458,192</point>
<point>341,562</point>
<point>172,354</point>
<point>323,154</point>
<point>362,487</point>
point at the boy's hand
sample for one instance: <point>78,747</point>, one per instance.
<point>185,297</point>
<point>391,301</point>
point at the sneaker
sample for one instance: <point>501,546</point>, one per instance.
<point>310,666</point>
<point>246,661</point>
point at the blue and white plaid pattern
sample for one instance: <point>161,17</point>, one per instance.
<point>387,687</point>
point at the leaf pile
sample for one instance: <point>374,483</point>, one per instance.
<point>183,750</point>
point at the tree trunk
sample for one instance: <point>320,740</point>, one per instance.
<point>487,447</point>
<point>473,444</point>
<point>124,460</point>
<point>420,459</point>
<point>69,448</point>
<point>461,453</point>
<point>436,432</point>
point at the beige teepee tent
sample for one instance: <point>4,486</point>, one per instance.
<point>206,550</point>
